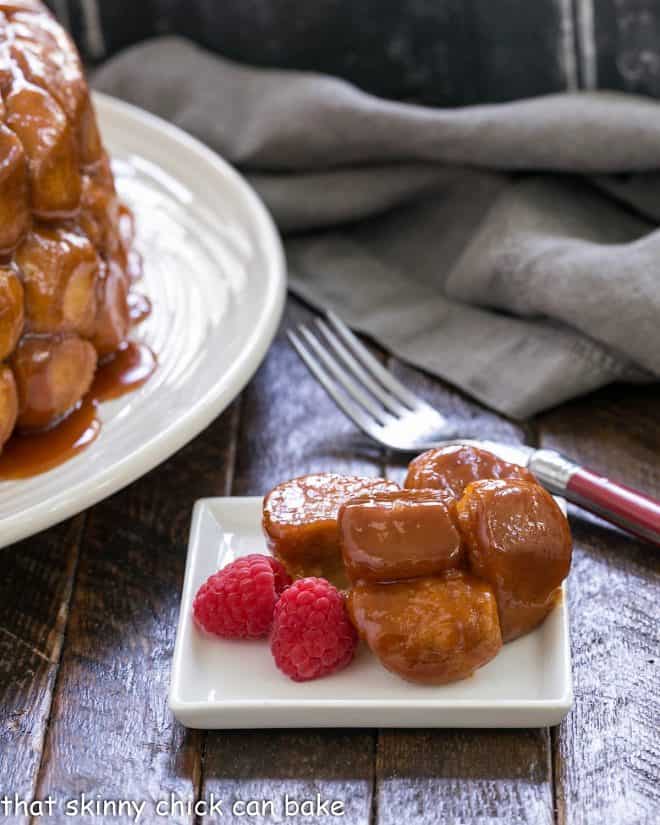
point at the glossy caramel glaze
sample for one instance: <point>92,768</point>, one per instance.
<point>128,368</point>
<point>25,455</point>
<point>11,311</point>
<point>430,630</point>
<point>519,541</point>
<point>28,455</point>
<point>14,195</point>
<point>451,469</point>
<point>300,522</point>
<point>8,403</point>
<point>59,269</point>
<point>139,307</point>
<point>52,375</point>
<point>399,534</point>
<point>67,261</point>
<point>48,140</point>
<point>113,320</point>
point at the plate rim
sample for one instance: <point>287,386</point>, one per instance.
<point>186,711</point>
<point>218,396</point>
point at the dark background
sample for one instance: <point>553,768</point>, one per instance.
<point>443,52</point>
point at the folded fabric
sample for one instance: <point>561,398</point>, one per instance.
<point>509,249</point>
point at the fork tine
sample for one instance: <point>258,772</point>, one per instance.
<point>350,387</point>
<point>370,363</point>
<point>386,399</point>
<point>357,415</point>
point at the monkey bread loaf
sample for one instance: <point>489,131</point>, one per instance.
<point>65,259</point>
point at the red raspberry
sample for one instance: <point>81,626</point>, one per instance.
<point>312,634</point>
<point>238,601</point>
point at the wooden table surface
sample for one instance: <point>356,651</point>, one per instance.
<point>88,613</point>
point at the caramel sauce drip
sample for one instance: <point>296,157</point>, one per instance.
<point>128,369</point>
<point>30,454</point>
<point>139,307</point>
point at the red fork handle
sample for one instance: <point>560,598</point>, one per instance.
<point>621,505</point>
<point>627,508</point>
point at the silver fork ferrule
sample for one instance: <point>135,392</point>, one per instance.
<point>552,469</point>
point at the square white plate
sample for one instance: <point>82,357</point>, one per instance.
<point>235,684</point>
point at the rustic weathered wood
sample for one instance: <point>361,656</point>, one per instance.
<point>269,766</point>
<point>470,419</point>
<point>100,28</point>
<point>462,776</point>
<point>523,49</point>
<point>606,751</point>
<point>35,590</point>
<point>289,427</point>
<point>445,53</point>
<point>111,733</point>
<point>619,43</point>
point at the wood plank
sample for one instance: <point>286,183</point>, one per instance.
<point>447,53</point>
<point>606,757</point>
<point>524,49</point>
<point>100,28</point>
<point>452,775</point>
<point>289,427</point>
<point>35,590</point>
<point>273,765</point>
<point>620,44</point>
<point>403,49</point>
<point>464,776</point>
<point>111,733</point>
<point>470,419</point>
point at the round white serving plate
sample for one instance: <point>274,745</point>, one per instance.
<point>214,271</point>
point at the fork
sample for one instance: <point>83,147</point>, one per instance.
<point>390,414</point>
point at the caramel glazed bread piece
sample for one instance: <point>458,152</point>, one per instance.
<point>425,618</point>
<point>399,534</point>
<point>300,522</point>
<point>452,468</point>
<point>514,534</point>
<point>432,630</point>
<point>518,540</point>
<point>65,239</point>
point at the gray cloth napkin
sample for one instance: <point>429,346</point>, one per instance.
<point>509,249</point>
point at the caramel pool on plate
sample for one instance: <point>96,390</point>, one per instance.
<point>26,455</point>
